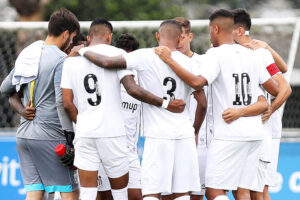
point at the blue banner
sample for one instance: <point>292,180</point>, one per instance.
<point>288,177</point>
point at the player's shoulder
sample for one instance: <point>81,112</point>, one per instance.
<point>75,62</point>
<point>108,50</point>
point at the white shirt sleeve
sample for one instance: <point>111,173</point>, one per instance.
<point>136,59</point>
<point>125,72</point>
<point>264,75</point>
<point>268,62</point>
<point>66,81</point>
<point>211,68</point>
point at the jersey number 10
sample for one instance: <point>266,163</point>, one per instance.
<point>246,89</point>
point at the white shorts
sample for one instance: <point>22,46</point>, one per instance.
<point>272,169</point>
<point>232,164</point>
<point>170,166</point>
<point>202,157</point>
<point>111,152</point>
<point>134,173</point>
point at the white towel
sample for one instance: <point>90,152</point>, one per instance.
<point>27,64</point>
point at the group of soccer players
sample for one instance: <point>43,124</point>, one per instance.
<point>210,121</point>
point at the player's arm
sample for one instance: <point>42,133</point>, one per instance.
<point>69,106</point>
<point>284,91</point>
<point>65,121</point>
<point>256,44</point>
<point>7,88</point>
<point>200,111</point>
<point>196,82</point>
<point>15,102</point>
<point>257,108</point>
<point>116,62</point>
<point>134,90</point>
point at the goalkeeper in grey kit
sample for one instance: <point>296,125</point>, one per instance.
<point>43,119</point>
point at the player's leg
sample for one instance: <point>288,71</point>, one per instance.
<point>157,167</point>
<point>134,184</point>
<point>104,189</point>
<point>266,195</point>
<point>35,195</point>
<point>31,178</point>
<point>87,161</point>
<point>165,196</point>
<point>253,174</point>
<point>114,156</point>
<point>186,176</point>
<point>202,150</point>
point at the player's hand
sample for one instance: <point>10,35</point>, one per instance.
<point>266,115</point>
<point>28,112</point>
<point>163,52</point>
<point>231,114</point>
<point>256,44</point>
<point>75,49</point>
<point>176,106</point>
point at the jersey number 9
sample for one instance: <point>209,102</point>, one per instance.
<point>90,90</point>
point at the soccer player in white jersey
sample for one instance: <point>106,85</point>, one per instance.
<point>235,74</point>
<point>91,97</point>
<point>270,153</point>
<point>131,112</point>
<point>170,156</point>
<point>205,133</point>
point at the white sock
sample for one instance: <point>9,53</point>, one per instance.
<point>88,193</point>
<point>150,198</point>
<point>121,194</point>
<point>221,197</point>
<point>185,197</point>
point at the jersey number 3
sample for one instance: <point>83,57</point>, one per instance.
<point>172,89</point>
<point>90,90</point>
<point>246,89</point>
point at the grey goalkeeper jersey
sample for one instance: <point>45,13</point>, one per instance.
<point>46,124</point>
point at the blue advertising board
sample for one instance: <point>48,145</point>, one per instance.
<point>287,188</point>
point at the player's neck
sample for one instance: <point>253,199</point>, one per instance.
<point>96,41</point>
<point>170,45</point>
<point>189,53</point>
<point>50,40</point>
<point>245,39</point>
<point>225,40</point>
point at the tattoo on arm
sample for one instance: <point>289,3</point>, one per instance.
<point>139,93</point>
<point>116,62</point>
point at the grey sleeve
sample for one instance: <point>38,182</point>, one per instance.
<point>65,121</point>
<point>6,86</point>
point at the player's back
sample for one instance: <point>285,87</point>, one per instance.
<point>157,77</point>
<point>235,73</point>
<point>96,95</point>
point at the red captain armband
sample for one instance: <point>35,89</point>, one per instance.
<point>273,69</point>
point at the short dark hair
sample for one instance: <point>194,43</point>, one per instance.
<point>221,13</point>
<point>171,22</point>
<point>102,21</point>
<point>127,42</point>
<point>185,23</point>
<point>62,20</point>
<point>242,18</point>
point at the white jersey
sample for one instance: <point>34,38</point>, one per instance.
<point>96,94</point>
<point>158,78</point>
<point>205,132</point>
<point>275,122</point>
<point>131,108</point>
<point>235,73</point>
